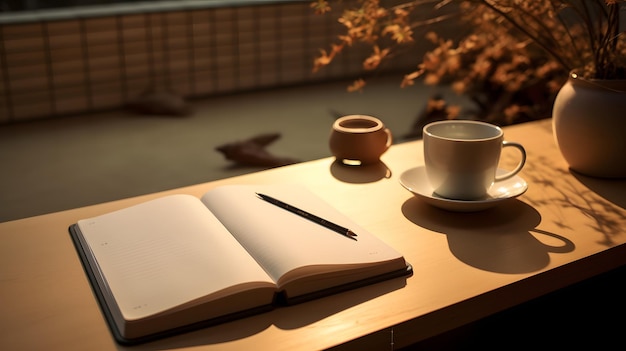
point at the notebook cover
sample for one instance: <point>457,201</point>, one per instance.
<point>280,299</point>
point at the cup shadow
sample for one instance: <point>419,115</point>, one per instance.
<point>360,174</point>
<point>496,240</point>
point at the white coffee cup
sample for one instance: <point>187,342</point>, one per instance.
<point>462,157</point>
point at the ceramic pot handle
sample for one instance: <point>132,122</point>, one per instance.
<point>389,138</point>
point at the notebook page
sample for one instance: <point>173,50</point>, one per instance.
<point>282,241</point>
<point>167,252</point>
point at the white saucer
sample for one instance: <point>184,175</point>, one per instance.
<point>415,181</point>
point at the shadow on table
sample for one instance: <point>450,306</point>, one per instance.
<point>283,317</point>
<point>599,200</point>
<point>360,174</point>
<point>497,240</point>
<point>613,190</point>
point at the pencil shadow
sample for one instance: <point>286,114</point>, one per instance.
<point>496,240</point>
<point>360,174</point>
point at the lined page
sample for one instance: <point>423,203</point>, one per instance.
<point>166,252</point>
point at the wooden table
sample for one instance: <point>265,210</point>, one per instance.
<point>564,229</point>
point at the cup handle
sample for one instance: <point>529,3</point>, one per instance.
<point>389,138</point>
<point>519,165</point>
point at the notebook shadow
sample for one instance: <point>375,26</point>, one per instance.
<point>283,317</point>
<point>300,315</point>
<point>498,240</point>
<point>211,335</point>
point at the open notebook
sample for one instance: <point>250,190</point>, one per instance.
<point>179,262</point>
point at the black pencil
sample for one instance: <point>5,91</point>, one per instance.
<point>313,218</point>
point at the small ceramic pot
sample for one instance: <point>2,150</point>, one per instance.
<point>359,139</point>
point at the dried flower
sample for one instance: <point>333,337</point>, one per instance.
<point>357,85</point>
<point>514,57</point>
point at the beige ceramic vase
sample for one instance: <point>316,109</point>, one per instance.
<point>359,139</point>
<point>589,124</point>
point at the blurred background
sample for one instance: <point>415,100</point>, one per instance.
<point>114,100</point>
